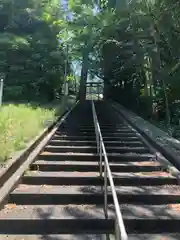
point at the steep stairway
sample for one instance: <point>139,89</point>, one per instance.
<point>61,195</point>
<point>149,196</point>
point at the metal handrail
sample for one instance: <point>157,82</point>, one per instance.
<point>120,231</point>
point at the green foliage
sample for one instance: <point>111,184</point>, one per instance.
<point>14,133</point>
<point>31,56</point>
<point>132,45</point>
<point>138,54</point>
<point>20,123</point>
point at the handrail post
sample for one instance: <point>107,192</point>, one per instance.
<point>105,191</point>
<point>95,126</point>
<point>98,142</point>
<point>96,138</point>
<point>117,231</point>
<point>100,163</point>
<point>1,90</point>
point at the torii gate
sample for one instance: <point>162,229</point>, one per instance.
<point>94,90</point>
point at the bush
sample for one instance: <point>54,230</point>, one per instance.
<point>19,124</point>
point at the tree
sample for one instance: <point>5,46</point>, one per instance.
<point>30,53</point>
<point>138,51</point>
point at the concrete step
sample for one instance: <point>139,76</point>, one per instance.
<point>73,211</point>
<point>92,178</point>
<point>114,127</point>
<point>63,180</point>
<point>163,190</point>
<point>93,149</point>
<point>93,166</point>
<point>51,194</point>
<point>78,125</point>
<point>161,236</point>
<point>129,157</point>
<point>91,125</point>
<point>56,226</point>
<point>88,198</point>
<point>54,237</point>
<point>91,134</point>
<point>130,134</point>
<point>93,138</point>
<point>94,143</point>
<point>92,130</point>
<point>152,226</point>
<point>69,211</point>
<point>151,212</point>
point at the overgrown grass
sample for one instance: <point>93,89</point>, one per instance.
<point>21,123</point>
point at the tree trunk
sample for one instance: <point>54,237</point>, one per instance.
<point>84,74</point>
<point>162,76</point>
<point>106,89</point>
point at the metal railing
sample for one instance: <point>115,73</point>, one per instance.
<point>120,231</point>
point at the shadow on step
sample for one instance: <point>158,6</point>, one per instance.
<point>72,212</point>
